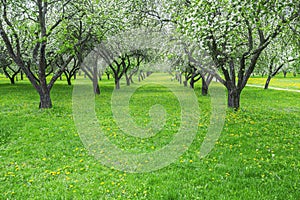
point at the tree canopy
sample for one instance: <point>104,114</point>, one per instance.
<point>50,38</point>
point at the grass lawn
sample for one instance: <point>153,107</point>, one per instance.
<point>42,156</point>
<point>278,81</point>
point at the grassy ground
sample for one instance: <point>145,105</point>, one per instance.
<point>42,156</point>
<point>278,81</point>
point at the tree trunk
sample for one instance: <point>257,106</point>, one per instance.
<point>204,88</point>
<point>100,76</point>
<point>143,75</point>
<point>268,82</point>
<point>131,80</point>
<point>108,76</point>
<point>234,99</point>
<point>284,74</point>
<point>95,82</point>
<point>45,100</point>
<point>69,80</point>
<point>192,83</point>
<point>68,77</point>
<point>117,83</point>
<point>185,83</point>
<point>180,78</point>
<point>96,88</point>
<point>12,77</point>
<point>22,77</point>
<point>12,80</point>
<point>127,80</point>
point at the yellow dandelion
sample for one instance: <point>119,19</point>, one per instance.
<point>53,173</point>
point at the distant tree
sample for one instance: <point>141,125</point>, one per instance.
<point>137,58</point>
<point>276,58</point>
<point>7,66</point>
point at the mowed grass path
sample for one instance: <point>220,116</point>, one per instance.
<point>42,156</point>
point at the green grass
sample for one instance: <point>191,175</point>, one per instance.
<point>42,156</point>
<point>278,81</point>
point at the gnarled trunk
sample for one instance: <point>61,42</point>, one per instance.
<point>234,97</point>
<point>45,100</point>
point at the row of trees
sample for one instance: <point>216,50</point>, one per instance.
<point>224,40</point>
<point>236,35</point>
